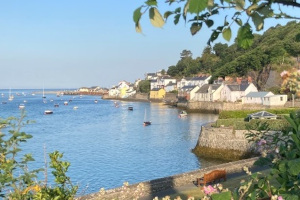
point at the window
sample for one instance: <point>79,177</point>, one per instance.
<point>281,98</point>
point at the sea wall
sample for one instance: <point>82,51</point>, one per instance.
<point>222,143</point>
<point>216,107</point>
<point>157,185</point>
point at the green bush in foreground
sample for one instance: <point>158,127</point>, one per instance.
<point>17,181</point>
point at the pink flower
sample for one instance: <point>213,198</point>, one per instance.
<point>261,142</point>
<point>283,73</point>
<point>280,198</point>
<point>209,189</point>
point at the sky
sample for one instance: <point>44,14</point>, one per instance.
<point>84,43</point>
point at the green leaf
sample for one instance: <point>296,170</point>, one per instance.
<point>137,14</point>
<point>195,28</point>
<point>167,14</point>
<point>291,121</point>
<point>221,196</point>
<point>176,19</point>
<point>178,10</point>
<point>294,167</point>
<point>227,34</point>
<point>258,21</point>
<point>209,23</point>
<point>155,18</point>
<point>245,36</point>
<point>151,3</point>
<point>196,6</point>
<point>240,4</point>
<point>265,10</point>
<point>238,21</point>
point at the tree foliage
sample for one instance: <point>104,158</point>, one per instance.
<point>277,47</point>
<point>247,14</point>
<point>144,86</point>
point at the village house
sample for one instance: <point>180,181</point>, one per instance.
<point>235,92</point>
<point>264,98</point>
<point>113,92</point>
<point>170,87</point>
<point>194,81</point>
<point>209,92</point>
<point>83,89</point>
<point>157,93</point>
<point>185,92</point>
<point>150,76</point>
<point>161,82</point>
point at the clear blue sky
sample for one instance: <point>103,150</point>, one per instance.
<point>75,43</point>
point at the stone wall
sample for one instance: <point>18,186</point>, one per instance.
<point>157,185</point>
<point>216,107</point>
<point>222,143</point>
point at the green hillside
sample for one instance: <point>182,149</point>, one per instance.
<point>277,50</point>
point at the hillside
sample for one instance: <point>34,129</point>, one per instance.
<point>271,53</point>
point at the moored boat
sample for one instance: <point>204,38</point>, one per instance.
<point>48,112</point>
<point>21,106</point>
<point>183,114</point>
<point>130,108</point>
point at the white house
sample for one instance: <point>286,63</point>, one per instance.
<point>209,92</point>
<point>186,81</point>
<point>170,87</point>
<point>255,97</point>
<point>195,81</point>
<point>235,92</point>
<point>150,76</point>
<point>184,92</point>
<point>113,92</point>
<point>275,100</point>
<point>200,80</point>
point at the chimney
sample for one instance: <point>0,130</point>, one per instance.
<point>239,80</point>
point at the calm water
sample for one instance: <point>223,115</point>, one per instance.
<point>109,145</point>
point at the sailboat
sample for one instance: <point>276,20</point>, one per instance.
<point>44,93</point>
<point>10,96</point>
<point>146,123</point>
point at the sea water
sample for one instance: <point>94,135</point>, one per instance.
<point>105,142</point>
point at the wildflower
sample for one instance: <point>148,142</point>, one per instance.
<point>156,198</point>
<point>220,187</point>
<point>262,142</point>
<point>274,197</point>
<point>283,73</point>
<point>264,154</point>
<point>280,198</point>
<point>209,189</point>
<point>277,150</point>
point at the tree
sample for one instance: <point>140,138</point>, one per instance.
<point>144,86</point>
<point>247,14</point>
<point>186,53</point>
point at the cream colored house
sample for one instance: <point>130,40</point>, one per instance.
<point>256,97</point>
<point>235,92</point>
<point>275,100</point>
<point>209,92</point>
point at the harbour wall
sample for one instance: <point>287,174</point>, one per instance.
<point>157,185</point>
<point>217,107</point>
<point>223,143</point>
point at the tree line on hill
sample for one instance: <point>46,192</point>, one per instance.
<point>278,48</point>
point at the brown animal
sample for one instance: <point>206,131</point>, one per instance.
<point>212,176</point>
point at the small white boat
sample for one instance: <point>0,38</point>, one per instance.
<point>48,112</point>
<point>96,101</point>
<point>25,101</point>
<point>183,114</point>
<point>56,105</point>
<point>21,106</point>
<point>75,107</point>
<point>66,103</point>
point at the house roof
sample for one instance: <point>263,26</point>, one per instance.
<point>156,89</point>
<point>203,89</point>
<point>262,114</point>
<point>200,78</point>
<point>258,94</point>
<point>238,87</point>
<point>171,84</point>
<point>188,87</point>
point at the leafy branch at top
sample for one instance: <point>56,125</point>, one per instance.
<point>202,12</point>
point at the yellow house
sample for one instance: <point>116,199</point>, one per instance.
<point>157,93</point>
